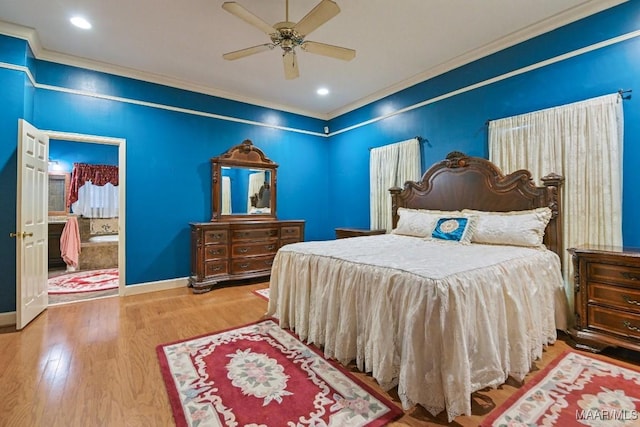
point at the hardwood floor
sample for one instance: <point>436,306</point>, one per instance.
<point>93,363</point>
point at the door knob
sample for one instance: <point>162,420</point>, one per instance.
<point>23,234</point>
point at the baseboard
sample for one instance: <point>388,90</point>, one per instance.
<point>8,319</point>
<point>161,285</point>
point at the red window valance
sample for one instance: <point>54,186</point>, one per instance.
<point>97,174</point>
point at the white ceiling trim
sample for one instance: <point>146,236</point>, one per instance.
<point>559,20</point>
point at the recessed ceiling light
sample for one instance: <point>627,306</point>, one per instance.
<point>80,22</point>
<point>323,91</point>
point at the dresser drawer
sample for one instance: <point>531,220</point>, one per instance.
<point>246,265</point>
<point>616,274</point>
<point>215,252</point>
<point>212,268</point>
<point>617,296</point>
<point>614,321</point>
<point>215,236</point>
<point>290,232</point>
<point>255,234</point>
<point>252,249</point>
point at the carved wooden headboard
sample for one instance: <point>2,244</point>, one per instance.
<point>463,182</point>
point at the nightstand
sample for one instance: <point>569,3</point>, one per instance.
<point>607,297</point>
<point>342,233</point>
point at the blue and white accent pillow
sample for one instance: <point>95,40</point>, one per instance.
<point>456,229</point>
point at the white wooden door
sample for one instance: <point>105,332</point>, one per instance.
<point>31,224</point>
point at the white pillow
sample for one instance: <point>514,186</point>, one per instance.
<point>419,222</point>
<point>517,228</point>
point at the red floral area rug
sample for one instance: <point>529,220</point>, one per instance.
<point>262,293</point>
<point>84,281</point>
<point>574,389</point>
<point>261,375</point>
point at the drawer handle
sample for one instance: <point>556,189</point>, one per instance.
<point>629,300</point>
<point>268,262</point>
<point>244,265</point>
<point>243,250</point>
<point>630,276</point>
<point>214,251</point>
<point>630,327</point>
<point>216,268</point>
<point>270,247</point>
<point>290,230</point>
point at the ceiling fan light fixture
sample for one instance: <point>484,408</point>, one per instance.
<point>290,35</point>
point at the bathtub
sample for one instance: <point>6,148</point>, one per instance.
<point>100,251</point>
<point>103,238</point>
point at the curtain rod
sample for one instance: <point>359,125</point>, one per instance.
<point>620,92</point>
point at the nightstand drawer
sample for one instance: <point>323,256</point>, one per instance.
<point>343,233</point>
<point>614,321</point>
<point>616,274</point>
<point>616,296</point>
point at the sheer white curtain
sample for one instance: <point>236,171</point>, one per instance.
<point>256,180</point>
<point>390,166</point>
<point>583,142</point>
<point>226,195</point>
<point>97,201</point>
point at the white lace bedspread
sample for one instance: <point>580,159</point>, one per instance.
<point>438,319</point>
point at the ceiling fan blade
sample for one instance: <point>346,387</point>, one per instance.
<point>329,50</point>
<point>242,13</point>
<point>320,14</point>
<point>290,65</point>
<point>246,52</point>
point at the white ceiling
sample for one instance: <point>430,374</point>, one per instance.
<point>181,43</point>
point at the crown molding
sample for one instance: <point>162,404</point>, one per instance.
<point>31,36</point>
<point>571,15</point>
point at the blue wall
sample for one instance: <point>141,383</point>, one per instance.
<point>323,181</point>
<point>66,153</point>
<point>458,122</point>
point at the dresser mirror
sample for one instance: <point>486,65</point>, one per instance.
<point>243,184</point>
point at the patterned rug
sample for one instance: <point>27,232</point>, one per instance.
<point>84,281</point>
<point>262,375</point>
<point>262,293</point>
<point>574,389</point>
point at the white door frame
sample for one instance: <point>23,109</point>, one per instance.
<point>122,150</point>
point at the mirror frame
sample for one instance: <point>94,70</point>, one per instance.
<point>244,155</point>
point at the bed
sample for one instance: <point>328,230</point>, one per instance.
<point>439,319</point>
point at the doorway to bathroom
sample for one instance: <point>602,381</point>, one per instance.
<point>86,217</point>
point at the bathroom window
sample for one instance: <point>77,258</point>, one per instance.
<point>58,189</point>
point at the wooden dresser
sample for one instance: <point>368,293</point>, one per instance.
<point>607,298</point>
<point>222,251</point>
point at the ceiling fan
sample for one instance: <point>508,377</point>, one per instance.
<point>289,35</point>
